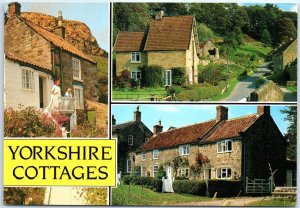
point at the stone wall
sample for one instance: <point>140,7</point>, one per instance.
<point>267,92</point>
<point>192,61</point>
<point>167,59</point>
<point>20,39</point>
<point>290,54</point>
<point>123,62</point>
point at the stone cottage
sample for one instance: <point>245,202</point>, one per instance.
<point>221,148</point>
<point>169,42</point>
<point>285,55</point>
<point>35,56</point>
<point>208,50</point>
<point>131,135</point>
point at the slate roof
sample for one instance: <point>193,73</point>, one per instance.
<point>170,33</point>
<point>129,41</point>
<point>23,59</point>
<point>210,131</point>
<point>57,40</point>
<point>121,126</point>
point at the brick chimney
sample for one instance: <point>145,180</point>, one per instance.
<point>158,128</point>
<point>263,110</point>
<point>222,113</point>
<point>113,120</point>
<point>60,29</point>
<point>137,116</point>
<point>14,8</point>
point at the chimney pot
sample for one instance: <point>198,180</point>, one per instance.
<point>14,8</point>
<point>60,29</point>
<point>158,128</point>
<point>263,110</point>
<point>222,113</point>
<point>137,116</point>
<point>158,15</point>
<point>113,120</point>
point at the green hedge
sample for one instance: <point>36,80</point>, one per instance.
<point>193,187</point>
<point>152,76</point>
<point>178,76</point>
<point>225,188</point>
<point>149,182</point>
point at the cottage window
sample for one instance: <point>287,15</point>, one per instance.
<point>76,68</point>
<point>183,172</point>
<point>184,150</point>
<point>224,146</point>
<point>129,166</point>
<point>143,171</point>
<point>78,95</point>
<point>135,75</point>
<point>223,173</point>
<point>168,77</point>
<point>143,155</point>
<point>135,57</point>
<point>155,154</point>
<point>130,140</point>
<point>27,79</point>
<point>155,169</point>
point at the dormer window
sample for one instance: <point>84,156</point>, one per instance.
<point>130,140</point>
<point>76,68</point>
<point>136,57</point>
<point>224,146</point>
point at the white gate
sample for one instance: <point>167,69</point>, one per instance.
<point>258,186</point>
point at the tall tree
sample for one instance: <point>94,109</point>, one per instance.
<point>291,117</point>
<point>285,30</point>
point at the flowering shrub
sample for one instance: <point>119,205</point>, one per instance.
<point>202,159</point>
<point>60,118</point>
<point>88,130</point>
<point>29,122</point>
<point>23,195</point>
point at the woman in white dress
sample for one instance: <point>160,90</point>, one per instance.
<point>55,94</point>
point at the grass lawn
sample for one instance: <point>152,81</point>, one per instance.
<point>136,195</point>
<point>292,89</point>
<point>273,203</point>
<point>232,85</point>
<point>136,93</point>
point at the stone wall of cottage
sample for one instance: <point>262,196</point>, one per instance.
<point>20,39</point>
<point>192,61</point>
<point>264,144</point>
<point>290,54</point>
<point>88,76</point>
<point>123,62</point>
<point>167,59</point>
<point>231,160</point>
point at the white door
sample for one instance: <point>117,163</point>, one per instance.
<point>289,178</point>
<point>169,172</point>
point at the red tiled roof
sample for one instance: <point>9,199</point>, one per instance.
<point>183,135</point>
<point>20,58</point>
<point>170,33</point>
<point>129,41</point>
<point>231,128</point>
<point>57,40</point>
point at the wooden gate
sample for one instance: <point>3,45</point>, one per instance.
<point>258,186</point>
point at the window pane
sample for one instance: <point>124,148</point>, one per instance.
<point>138,58</point>
<point>219,147</point>
<point>229,145</point>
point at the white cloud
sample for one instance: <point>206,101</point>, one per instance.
<point>294,8</point>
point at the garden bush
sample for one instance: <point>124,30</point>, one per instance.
<point>260,81</point>
<point>89,130</point>
<point>122,81</point>
<point>174,89</point>
<point>178,76</point>
<point>149,182</point>
<point>160,173</point>
<point>225,188</point>
<point>152,76</point>
<point>194,187</point>
<point>31,122</point>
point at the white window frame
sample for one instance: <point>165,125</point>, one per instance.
<point>27,79</point>
<point>134,74</point>
<point>76,67</point>
<point>134,57</point>
<point>224,147</point>
<point>143,156</point>
<point>79,101</point>
<point>184,150</point>
<point>154,167</point>
<point>225,171</point>
<point>168,82</point>
<point>130,140</point>
<point>155,154</point>
<point>183,172</point>
<point>143,171</point>
<point>129,168</point>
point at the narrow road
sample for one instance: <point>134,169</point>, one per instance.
<point>240,201</point>
<point>247,85</point>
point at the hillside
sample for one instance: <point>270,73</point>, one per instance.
<point>77,32</point>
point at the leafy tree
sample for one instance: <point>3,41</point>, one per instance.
<point>266,37</point>
<point>160,173</point>
<point>206,32</point>
<point>285,30</point>
<point>291,117</point>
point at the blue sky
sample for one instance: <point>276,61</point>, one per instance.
<point>94,15</point>
<point>182,115</point>
<point>282,6</point>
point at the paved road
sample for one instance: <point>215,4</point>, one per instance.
<point>240,201</point>
<point>247,85</point>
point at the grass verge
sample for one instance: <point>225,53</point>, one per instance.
<point>232,85</point>
<point>273,203</point>
<point>137,195</point>
<point>136,93</point>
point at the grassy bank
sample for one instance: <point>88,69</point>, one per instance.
<point>136,93</point>
<point>273,203</point>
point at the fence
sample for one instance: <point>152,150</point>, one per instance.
<point>258,186</point>
<point>142,97</point>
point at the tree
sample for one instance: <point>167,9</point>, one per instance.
<point>291,117</point>
<point>265,37</point>
<point>285,30</point>
<point>206,32</point>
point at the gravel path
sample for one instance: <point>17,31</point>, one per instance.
<point>240,201</point>
<point>247,85</point>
